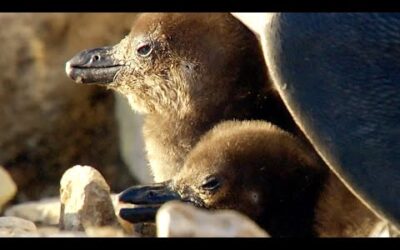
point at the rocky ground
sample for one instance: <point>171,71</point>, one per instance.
<point>48,123</point>
<point>85,208</point>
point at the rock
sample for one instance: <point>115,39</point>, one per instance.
<point>126,225</point>
<point>90,232</point>
<point>65,234</point>
<point>13,226</point>
<point>104,232</point>
<point>138,229</point>
<point>8,189</point>
<point>56,232</point>
<point>46,231</point>
<point>44,212</point>
<point>176,219</point>
<point>51,122</point>
<point>85,200</point>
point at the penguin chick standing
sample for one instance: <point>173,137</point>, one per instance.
<point>186,72</point>
<point>258,169</point>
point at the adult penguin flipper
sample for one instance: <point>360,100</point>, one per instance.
<point>339,75</point>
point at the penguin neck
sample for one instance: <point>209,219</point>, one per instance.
<point>170,138</point>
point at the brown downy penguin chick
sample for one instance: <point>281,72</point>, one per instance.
<point>258,169</point>
<point>186,72</point>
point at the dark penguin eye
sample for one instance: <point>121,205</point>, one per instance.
<point>144,49</point>
<point>211,183</point>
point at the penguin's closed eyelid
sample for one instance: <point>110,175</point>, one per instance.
<point>211,183</point>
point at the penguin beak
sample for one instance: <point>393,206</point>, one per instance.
<point>96,66</point>
<point>147,200</point>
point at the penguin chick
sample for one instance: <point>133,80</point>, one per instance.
<point>267,174</point>
<point>186,72</point>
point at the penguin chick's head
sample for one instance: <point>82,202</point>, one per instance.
<point>173,61</point>
<point>249,166</point>
<point>246,166</point>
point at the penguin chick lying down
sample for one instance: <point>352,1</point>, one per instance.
<point>264,172</point>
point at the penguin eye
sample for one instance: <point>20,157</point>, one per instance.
<point>144,50</point>
<point>211,183</point>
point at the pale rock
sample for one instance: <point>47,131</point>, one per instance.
<point>85,200</point>
<point>138,229</point>
<point>57,233</point>
<point>46,231</point>
<point>176,219</point>
<point>126,225</point>
<point>13,226</point>
<point>44,212</point>
<point>108,231</point>
<point>8,189</point>
<point>65,234</point>
<point>52,231</point>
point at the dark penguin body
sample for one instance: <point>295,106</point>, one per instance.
<point>186,73</point>
<point>339,75</point>
<point>258,169</point>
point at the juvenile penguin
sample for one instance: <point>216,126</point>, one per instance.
<point>264,172</point>
<point>186,72</point>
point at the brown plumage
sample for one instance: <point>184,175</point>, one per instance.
<point>190,72</point>
<point>186,72</point>
<point>275,179</point>
<point>258,169</point>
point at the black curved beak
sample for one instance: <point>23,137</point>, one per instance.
<point>96,66</point>
<point>148,199</point>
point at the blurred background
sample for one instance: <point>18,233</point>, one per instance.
<point>47,122</point>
